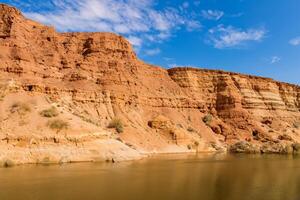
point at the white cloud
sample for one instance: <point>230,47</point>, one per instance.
<point>152,52</point>
<point>168,59</point>
<point>135,41</point>
<point>137,20</point>
<point>173,65</point>
<point>227,37</point>
<point>193,25</point>
<point>212,14</point>
<point>295,41</point>
<point>275,59</point>
<point>160,21</point>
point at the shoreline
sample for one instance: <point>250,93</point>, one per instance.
<point>7,162</point>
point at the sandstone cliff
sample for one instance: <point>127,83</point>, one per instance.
<point>92,79</point>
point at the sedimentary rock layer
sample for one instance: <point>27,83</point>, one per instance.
<point>93,79</point>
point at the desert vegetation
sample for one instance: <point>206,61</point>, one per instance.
<point>207,119</point>
<point>20,108</point>
<point>297,125</point>
<point>58,124</point>
<point>50,112</point>
<point>116,124</point>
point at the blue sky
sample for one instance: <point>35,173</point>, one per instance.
<point>259,37</point>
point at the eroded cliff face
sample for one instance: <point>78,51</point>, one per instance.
<point>243,102</point>
<point>93,78</point>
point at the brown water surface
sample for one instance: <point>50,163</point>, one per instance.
<point>207,177</point>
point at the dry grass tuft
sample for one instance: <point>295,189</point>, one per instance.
<point>58,124</point>
<point>116,124</point>
<point>21,108</point>
<point>51,112</point>
<point>207,119</point>
<point>297,125</point>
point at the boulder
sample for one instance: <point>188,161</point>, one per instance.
<point>296,148</point>
<point>160,122</point>
<point>285,137</point>
<point>243,147</point>
<point>277,148</point>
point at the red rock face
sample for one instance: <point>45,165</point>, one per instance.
<point>98,76</point>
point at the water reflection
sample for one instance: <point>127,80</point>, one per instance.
<point>208,177</point>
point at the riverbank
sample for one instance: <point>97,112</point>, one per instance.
<point>111,150</point>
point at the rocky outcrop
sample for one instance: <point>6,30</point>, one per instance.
<point>93,78</point>
<point>244,147</point>
<point>224,91</point>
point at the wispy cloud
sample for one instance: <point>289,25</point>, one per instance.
<point>168,59</point>
<point>236,15</point>
<point>137,20</point>
<point>295,41</point>
<point>152,52</point>
<point>212,14</point>
<point>135,41</point>
<point>193,25</point>
<point>173,65</point>
<point>275,59</point>
<point>228,37</point>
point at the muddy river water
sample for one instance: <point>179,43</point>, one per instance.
<point>176,177</point>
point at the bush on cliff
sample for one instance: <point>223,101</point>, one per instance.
<point>21,108</point>
<point>58,124</point>
<point>207,119</point>
<point>116,124</point>
<point>50,112</point>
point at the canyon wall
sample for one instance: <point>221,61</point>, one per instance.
<point>93,79</point>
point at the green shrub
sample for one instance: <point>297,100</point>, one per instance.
<point>116,124</point>
<point>19,107</point>
<point>207,119</point>
<point>58,124</point>
<point>51,112</point>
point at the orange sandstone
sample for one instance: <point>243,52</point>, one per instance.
<point>92,78</point>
